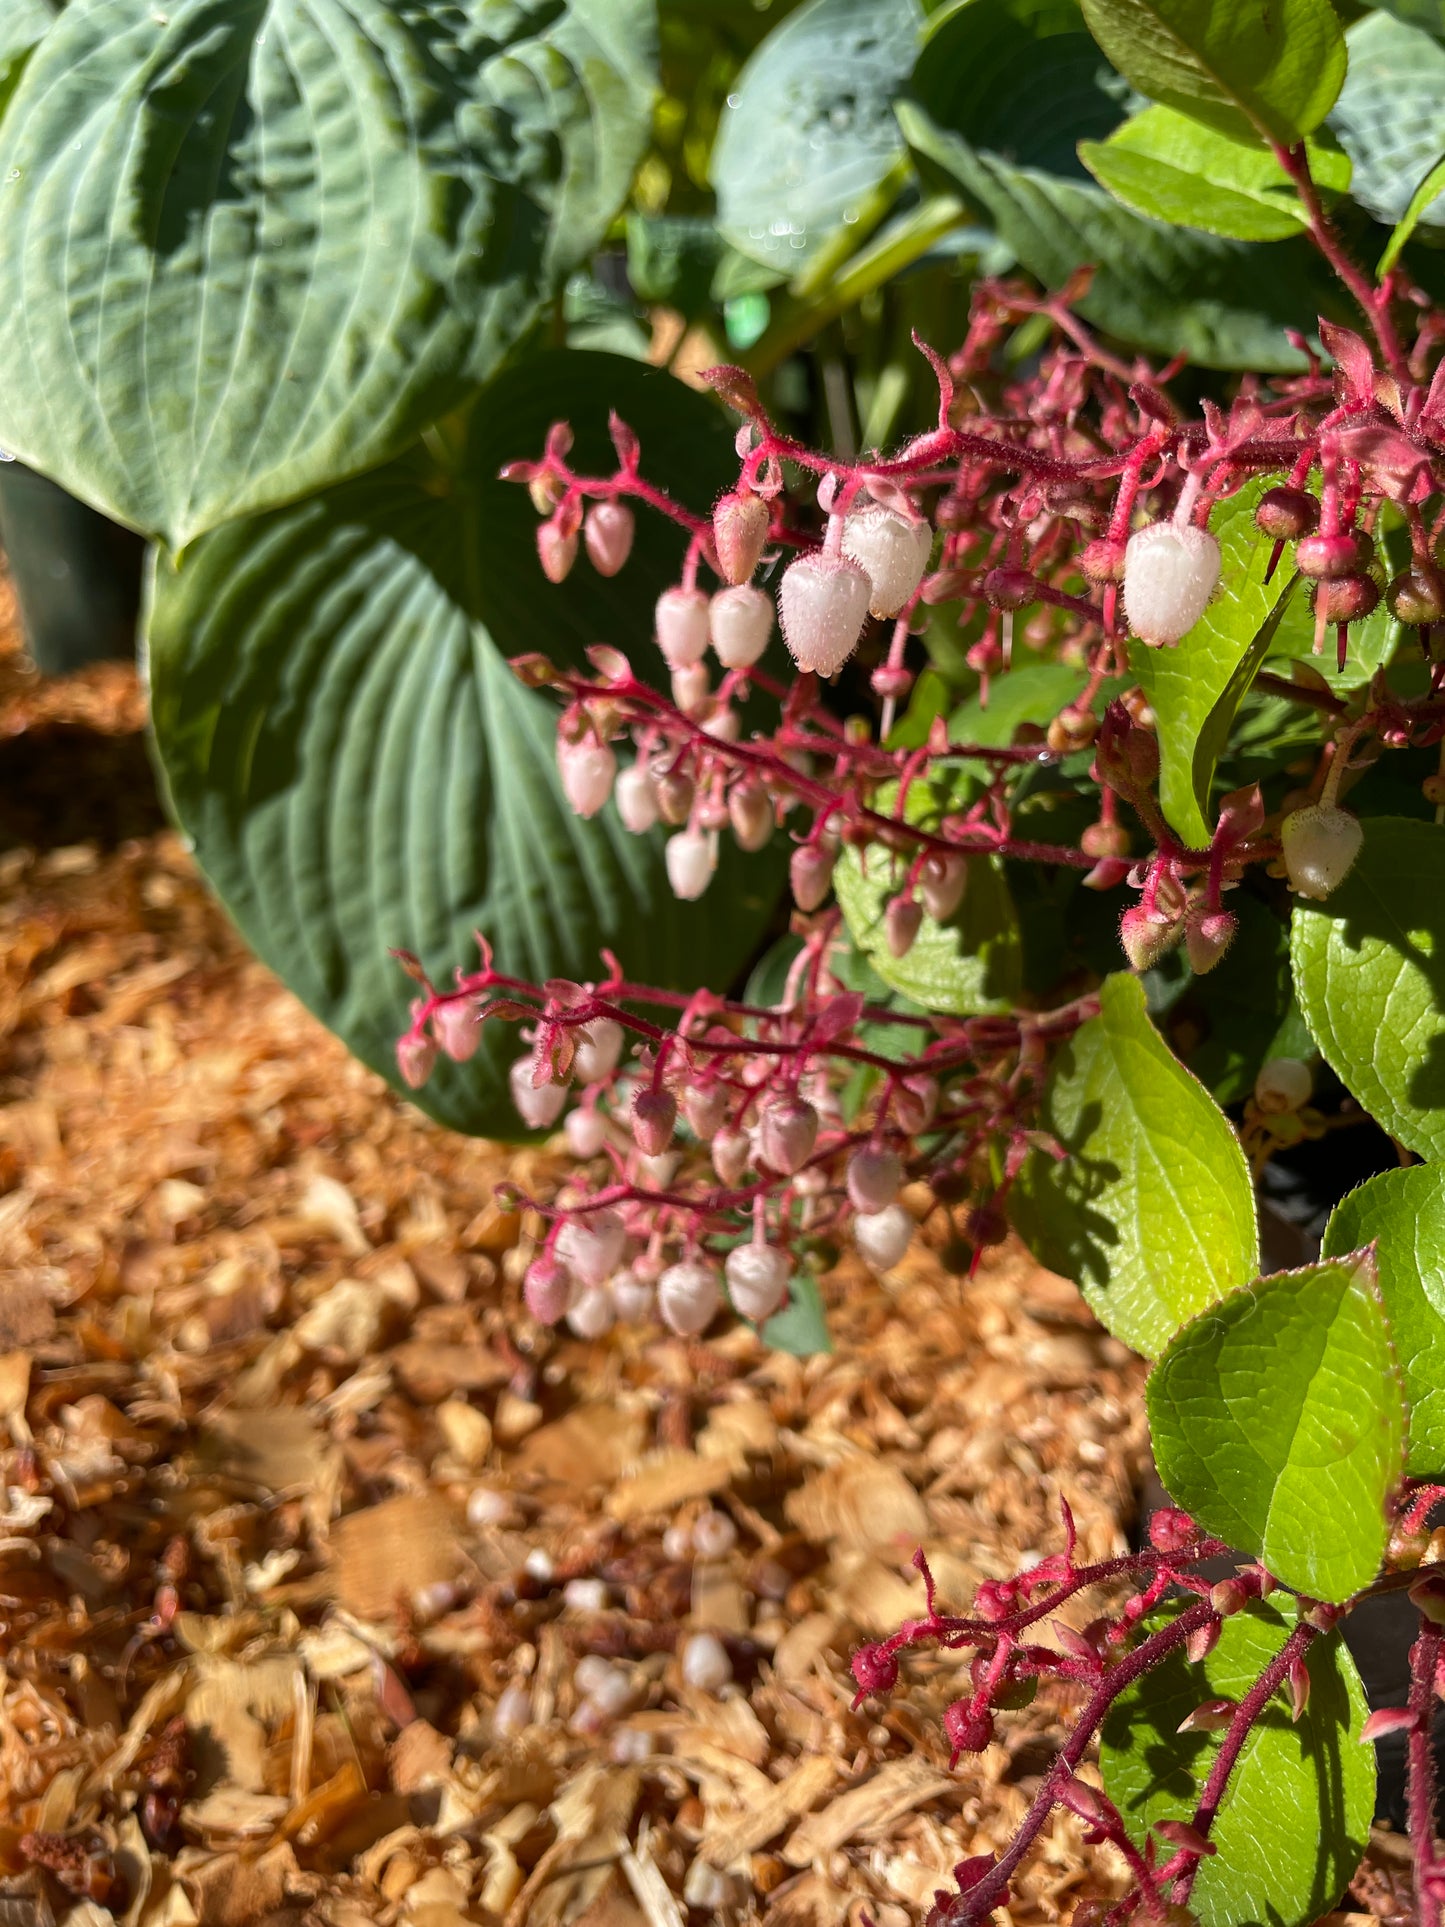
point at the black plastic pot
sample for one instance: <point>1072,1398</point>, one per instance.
<point>77,576</point>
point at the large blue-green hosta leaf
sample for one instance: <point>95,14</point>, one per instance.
<point>358,766</point>
<point>248,247</point>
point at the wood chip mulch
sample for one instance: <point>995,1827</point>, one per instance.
<point>333,1590</point>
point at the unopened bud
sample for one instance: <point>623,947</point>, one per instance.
<point>457,1026</point>
<point>810,872</point>
<point>591,1313</point>
<point>1286,513</point>
<point>692,690</point>
<point>675,792</point>
<point>942,880</point>
<point>1228,1597</point>
<point>822,605</point>
<point>1105,840</point>
<point>591,1247</point>
<point>1207,936</point>
<point>1071,730</point>
<point>1102,560</point>
<point>556,550</point>
<point>1417,596</point>
<point>750,811</point>
<point>757,1278</point>
<point>1184,1838</point>
<point>1299,1688</point>
<point>681,626</point>
<point>632,1295</point>
<point>739,532</point>
<point>787,1132</point>
<point>1345,598</point>
<point>731,1152</point>
<point>1325,558</point>
<point>538,1105</point>
<point>704,1106</point>
<point>1320,844</point>
<point>914,1102</point>
<point>1170,572</point>
<point>688,1296</point>
<point>892,551</point>
<point>967,1729</point>
<point>1387,1720</point>
<point>902,922</point>
<point>654,1116</point>
<point>1144,939</point>
<point>1171,1530</point>
<point>416,1056</point>
<point>586,1131</point>
<point>1208,1717</point>
<point>609,530</point>
<point>875,1669</point>
<point>1202,1641</point>
<point>690,861</point>
<point>1010,588</point>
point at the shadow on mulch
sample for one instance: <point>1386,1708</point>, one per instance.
<point>62,784</point>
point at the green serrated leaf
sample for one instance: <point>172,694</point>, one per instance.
<point>809,131</point>
<point>801,1327</point>
<point>1402,1214</point>
<point>1152,1210</point>
<point>1271,73</point>
<point>968,966</point>
<point>1278,1421</point>
<point>1390,117</point>
<point>248,248</point>
<point>1430,190</point>
<point>361,771</point>
<point>1369,973</point>
<point>1296,1815</point>
<point>1166,289</point>
<point>1195,688</point>
<point>1171,167</point>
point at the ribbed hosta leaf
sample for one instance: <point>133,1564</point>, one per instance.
<point>359,768</point>
<point>248,247</point>
<point>20,31</point>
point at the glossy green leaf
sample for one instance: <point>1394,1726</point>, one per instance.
<point>248,247</point>
<point>1296,1815</point>
<point>1152,1211</point>
<point>1195,688</point>
<point>1271,73</point>
<point>1430,190</point>
<point>1369,973</point>
<point>1402,1214</point>
<point>1278,1421</point>
<point>1233,1014</point>
<point>968,966</point>
<point>1172,167</point>
<point>809,132</point>
<point>1390,117</point>
<point>1165,289</point>
<point>360,769</point>
<point>1030,692</point>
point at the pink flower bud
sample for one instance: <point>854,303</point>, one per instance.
<point>1171,1530</point>
<point>750,811</point>
<point>591,1247</point>
<point>1320,845</point>
<point>416,1056</point>
<point>688,1296</point>
<point>1283,1084</point>
<point>704,1106</point>
<point>787,1132</point>
<point>1210,1716</point>
<point>682,626</point>
<point>676,793</point>
<point>591,1313</point>
<point>902,922</point>
<point>556,550</point>
<point>1326,558</point>
<point>690,860</point>
<point>968,1730</point>
<point>915,1101</point>
<point>588,769</point>
<point>654,1115</point>
<point>873,1180</point>
<point>598,1048</point>
<point>1299,1687</point>
<point>883,1236</point>
<point>892,552</point>
<point>586,1131</point>
<point>547,1289</point>
<point>1387,1720</point>
<point>1207,936</point>
<point>876,1671</point>
<point>1228,1597</point>
<point>538,1105</point>
<point>609,530</point>
<point>739,531</point>
<point>1145,939</point>
<point>636,799</point>
<point>810,872</point>
<point>823,604</point>
<point>457,1027</point>
<point>1203,1640</point>
<point>1180,1835</point>
<point>740,621</point>
<point>941,883</point>
<point>1080,1798</point>
<point>1286,513</point>
<point>723,723</point>
<point>757,1278</point>
<point>1170,572</point>
<point>632,1295</point>
<point>731,1151</point>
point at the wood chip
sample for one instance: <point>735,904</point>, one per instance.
<point>895,1789</point>
<point>721,1846</point>
<point>664,1481</point>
